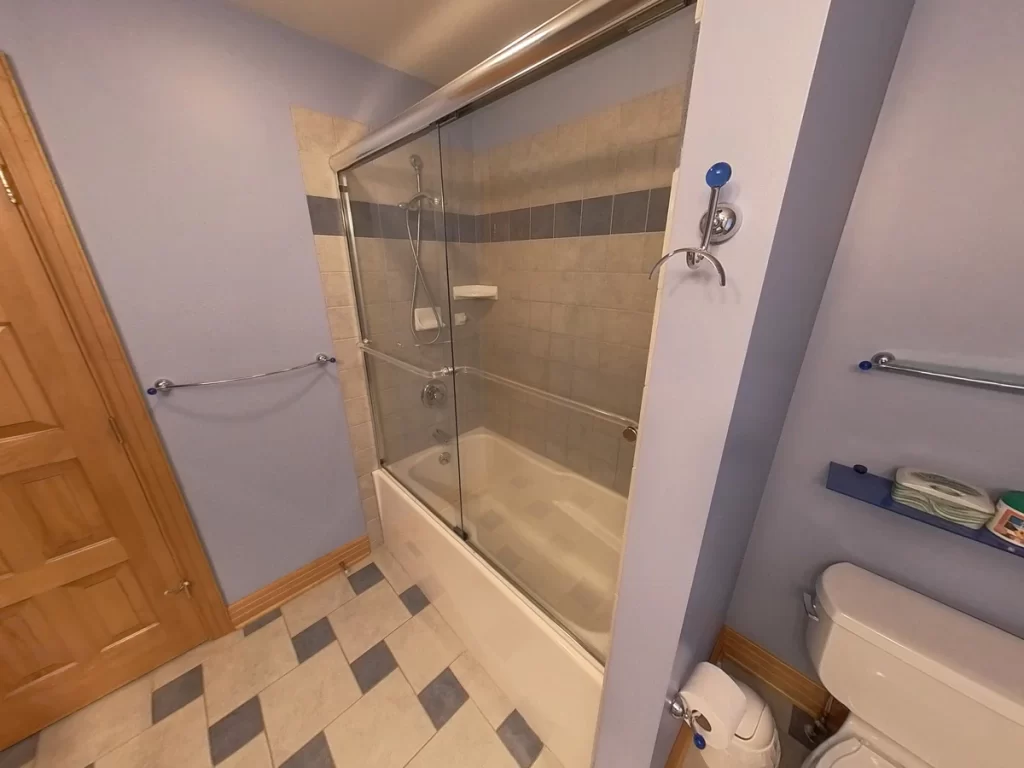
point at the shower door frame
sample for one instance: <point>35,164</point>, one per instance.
<point>366,350</point>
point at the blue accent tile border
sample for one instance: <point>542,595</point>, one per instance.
<point>644,210</point>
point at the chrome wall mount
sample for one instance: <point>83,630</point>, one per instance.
<point>166,385</point>
<point>725,221</point>
<point>886,361</point>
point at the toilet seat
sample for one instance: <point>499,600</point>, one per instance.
<point>852,753</point>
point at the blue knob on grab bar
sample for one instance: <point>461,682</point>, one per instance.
<point>718,175</point>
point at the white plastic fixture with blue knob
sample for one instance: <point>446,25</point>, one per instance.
<point>718,224</point>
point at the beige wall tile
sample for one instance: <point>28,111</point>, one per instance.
<point>384,729</point>
<point>315,603</point>
<point>177,740</point>
<point>357,411</point>
<point>337,289</point>
<point>370,510</point>
<point>343,322</point>
<point>234,676</point>
<point>317,177</point>
<point>366,488</point>
<point>353,382</point>
<point>331,253</point>
<point>82,737</point>
<point>348,354</point>
<point>306,700</point>
<point>365,461</point>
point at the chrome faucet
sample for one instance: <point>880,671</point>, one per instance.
<point>441,437</point>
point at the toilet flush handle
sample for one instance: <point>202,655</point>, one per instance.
<point>810,607</point>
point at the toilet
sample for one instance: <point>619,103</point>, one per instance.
<point>926,685</point>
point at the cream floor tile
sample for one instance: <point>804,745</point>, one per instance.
<point>547,759</point>
<point>233,677</point>
<point>466,741</point>
<point>255,754</point>
<point>302,703</point>
<point>179,666</point>
<point>484,692</point>
<point>392,570</point>
<point>366,620</point>
<point>176,741</point>
<point>79,739</point>
<point>312,605</point>
<point>424,646</point>
<point>382,730</point>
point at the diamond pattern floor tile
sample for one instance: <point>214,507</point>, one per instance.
<point>442,698</point>
<point>306,700</point>
<point>313,639</point>
<point>373,666</point>
<point>235,730</point>
<point>384,729</point>
<point>520,740</point>
<point>183,690</point>
<point>314,754</point>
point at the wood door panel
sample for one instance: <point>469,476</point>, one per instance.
<point>58,506</point>
<point>84,603</point>
<point>112,603</point>
<point>21,397</point>
<point>31,646</point>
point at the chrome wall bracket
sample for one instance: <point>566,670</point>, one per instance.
<point>725,221</point>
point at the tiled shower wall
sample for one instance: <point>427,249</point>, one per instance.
<point>319,136</point>
<point>566,222</point>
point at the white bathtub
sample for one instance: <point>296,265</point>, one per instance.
<point>552,532</point>
<point>552,680</point>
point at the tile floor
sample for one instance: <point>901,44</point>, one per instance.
<point>360,671</point>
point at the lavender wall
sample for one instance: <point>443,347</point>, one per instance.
<point>930,262</point>
<point>168,124</point>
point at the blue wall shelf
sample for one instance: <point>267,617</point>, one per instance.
<point>878,491</point>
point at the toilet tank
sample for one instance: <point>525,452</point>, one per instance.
<point>945,686</point>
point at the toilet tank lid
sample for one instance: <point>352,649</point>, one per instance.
<point>970,656</point>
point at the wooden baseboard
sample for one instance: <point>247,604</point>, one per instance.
<point>279,592</point>
<point>807,694</point>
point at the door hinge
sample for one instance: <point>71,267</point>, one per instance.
<point>185,586</point>
<point>9,188</point>
<point>116,430</point>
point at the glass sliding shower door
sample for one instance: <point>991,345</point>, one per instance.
<point>500,265</point>
<point>400,274</point>
<point>560,193</point>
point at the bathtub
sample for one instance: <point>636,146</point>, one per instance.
<point>553,533</point>
<point>534,520</point>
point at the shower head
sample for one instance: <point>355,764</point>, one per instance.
<point>416,162</point>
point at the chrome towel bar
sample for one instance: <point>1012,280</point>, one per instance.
<point>886,361</point>
<point>166,385</point>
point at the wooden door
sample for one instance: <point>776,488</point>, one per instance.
<point>86,576</point>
